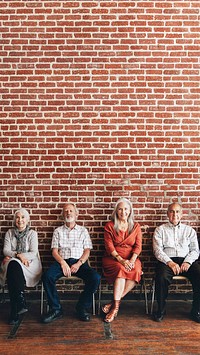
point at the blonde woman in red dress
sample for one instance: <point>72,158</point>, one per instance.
<point>121,265</point>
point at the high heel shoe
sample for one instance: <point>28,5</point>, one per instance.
<point>107,307</point>
<point>113,312</point>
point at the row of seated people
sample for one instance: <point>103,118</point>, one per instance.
<point>175,246</point>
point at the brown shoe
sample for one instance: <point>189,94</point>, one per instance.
<point>107,307</point>
<point>113,312</point>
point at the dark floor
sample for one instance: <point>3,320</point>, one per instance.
<point>132,332</point>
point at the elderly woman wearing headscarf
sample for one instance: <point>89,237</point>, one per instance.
<point>121,265</point>
<point>21,264</point>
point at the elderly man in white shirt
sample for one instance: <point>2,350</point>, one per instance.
<point>71,245</point>
<point>176,248</point>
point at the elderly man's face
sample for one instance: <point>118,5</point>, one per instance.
<point>69,213</point>
<point>174,213</point>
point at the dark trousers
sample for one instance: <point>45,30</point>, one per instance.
<point>164,277</point>
<point>15,279</point>
<point>90,277</point>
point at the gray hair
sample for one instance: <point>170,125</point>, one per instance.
<point>72,204</point>
<point>114,217</point>
<point>24,212</point>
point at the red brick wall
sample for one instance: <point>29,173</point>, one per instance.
<point>99,99</point>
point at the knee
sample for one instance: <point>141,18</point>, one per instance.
<point>94,279</point>
<point>98,278</point>
<point>161,276</point>
<point>13,266</point>
<point>46,276</point>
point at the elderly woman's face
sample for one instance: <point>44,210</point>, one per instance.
<point>123,211</point>
<point>20,221</point>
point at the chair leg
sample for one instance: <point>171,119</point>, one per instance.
<point>93,305</point>
<point>42,299</point>
<point>99,298</point>
<point>143,287</point>
<point>146,297</point>
<point>3,299</point>
<point>152,295</point>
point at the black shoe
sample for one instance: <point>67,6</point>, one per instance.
<point>14,319</point>
<point>158,317</point>
<point>52,315</point>
<point>21,304</point>
<point>195,316</point>
<point>82,314</point>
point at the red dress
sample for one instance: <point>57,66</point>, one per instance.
<point>125,244</point>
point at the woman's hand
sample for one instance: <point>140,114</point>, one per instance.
<point>6,259</point>
<point>128,265</point>
<point>23,259</point>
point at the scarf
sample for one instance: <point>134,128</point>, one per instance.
<point>21,239</point>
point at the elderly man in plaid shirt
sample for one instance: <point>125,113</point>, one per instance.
<point>71,245</point>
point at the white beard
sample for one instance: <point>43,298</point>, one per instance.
<point>69,219</point>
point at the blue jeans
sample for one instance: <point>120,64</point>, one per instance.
<point>85,272</point>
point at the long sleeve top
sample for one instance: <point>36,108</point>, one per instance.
<point>175,241</point>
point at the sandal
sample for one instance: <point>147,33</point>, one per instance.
<point>107,307</point>
<point>113,312</point>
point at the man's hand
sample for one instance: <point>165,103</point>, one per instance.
<point>175,267</point>
<point>184,267</point>
<point>65,268</point>
<point>75,267</point>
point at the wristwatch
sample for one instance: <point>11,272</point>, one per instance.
<point>81,261</point>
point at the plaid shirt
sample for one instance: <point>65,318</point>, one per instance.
<point>175,241</point>
<point>71,242</point>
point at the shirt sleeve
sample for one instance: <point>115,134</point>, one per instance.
<point>87,243</point>
<point>55,239</point>
<point>158,246</point>
<point>193,248</point>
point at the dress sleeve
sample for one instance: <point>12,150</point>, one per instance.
<point>108,238</point>
<point>137,248</point>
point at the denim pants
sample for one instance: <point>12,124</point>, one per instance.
<point>90,277</point>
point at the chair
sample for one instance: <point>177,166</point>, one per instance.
<point>175,278</point>
<point>142,287</point>
<point>3,297</point>
<point>71,278</point>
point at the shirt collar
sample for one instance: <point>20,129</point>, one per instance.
<point>172,226</point>
<point>75,227</point>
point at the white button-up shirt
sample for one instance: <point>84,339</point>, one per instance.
<point>71,243</point>
<point>175,241</point>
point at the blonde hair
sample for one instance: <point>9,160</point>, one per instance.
<point>130,220</point>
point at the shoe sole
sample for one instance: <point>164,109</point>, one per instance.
<point>22,311</point>
<point>52,320</point>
